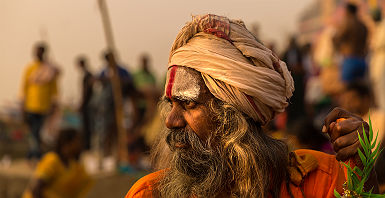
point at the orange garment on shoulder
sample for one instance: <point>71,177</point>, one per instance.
<point>318,183</point>
<point>321,182</point>
<point>145,186</point>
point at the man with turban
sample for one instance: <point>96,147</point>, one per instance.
<point>222,86</point>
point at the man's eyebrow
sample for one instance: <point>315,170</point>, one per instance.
<point>184,98</point>
<point>179,98</point>
<point>165,99</point>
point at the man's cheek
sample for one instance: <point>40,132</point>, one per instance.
<point>196,120</point>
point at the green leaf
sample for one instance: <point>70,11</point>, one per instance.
<point>371,162</point>
<point>366,146</point>
<point>349,174</point>
<point>355,181</point>
<point>361,142</point>
<point>362,156</point>
<point>364,194</point>
<point>360,187</point>
<point>371,190</point>
<point>349,171</point>
<point>370,130</point>
<point>367,174</point>
<point>375,140</point>
<point>376,153</point>
<point>357,170</point>
<point>365,136</point>
<point>337,194</point>
<point>379,152</point>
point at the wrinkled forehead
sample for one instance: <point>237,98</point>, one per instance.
<point>183,83</point>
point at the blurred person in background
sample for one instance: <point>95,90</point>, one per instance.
<point>357,98</point>
<point>59,173</point>
<point>377,79</point>
<point>307,61</point>
<point>106,106</point>
<point>126,79</point>
<point>145,103</point>
<point>87,91</point>
<point>292,56</point>
<point>39,96</point>
<point>351,42</point>
<point>145,83</point>
<point>377,60</point>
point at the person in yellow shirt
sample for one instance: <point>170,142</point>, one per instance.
<point>59,173</point>
<point>39,94</point>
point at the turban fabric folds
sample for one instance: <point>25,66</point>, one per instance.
<point>236,67</point>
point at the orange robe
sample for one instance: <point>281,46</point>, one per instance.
<point>319,182</point>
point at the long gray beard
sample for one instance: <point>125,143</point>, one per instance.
<point>196,170</point>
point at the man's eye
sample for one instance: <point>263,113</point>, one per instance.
<point>190,104</point>
<point>168,102</point>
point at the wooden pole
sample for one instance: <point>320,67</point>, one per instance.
<point>121,154</point>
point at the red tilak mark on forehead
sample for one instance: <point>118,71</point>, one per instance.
<point>171,81</point>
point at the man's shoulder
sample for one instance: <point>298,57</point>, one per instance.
<point>321,175</point>
<point>326,162</point>
<point>144,187</point>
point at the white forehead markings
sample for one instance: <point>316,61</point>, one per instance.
<point>186,85</point>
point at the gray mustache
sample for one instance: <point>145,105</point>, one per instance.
<point>179,136</point>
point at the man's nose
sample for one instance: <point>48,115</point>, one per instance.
<point>175,118</point>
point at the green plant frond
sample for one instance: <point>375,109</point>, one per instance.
<point>360,139</point>
<point>355,181</point>
<point>370,130</point>
<point>366,175</point>
<point>362,143</point>
<point>367,195</point>
<point>379,152</point>
<point>337,194</point>
<point>371,162</point>
<point>356,178</point>
<point>362,156</point>
<point>365,136</point>
<point>349,175</point>
<point>360,186</point>
<point>375,153</point>
<point>371,190</point>
<point>347,166</point>
<point>375,140</point>
<point>358,171</point>
<point>366,147</point>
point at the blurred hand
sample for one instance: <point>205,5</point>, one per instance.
<point>342,127</point>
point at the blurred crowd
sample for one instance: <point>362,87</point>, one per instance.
<point>57,162</point>
<point>343,66</point>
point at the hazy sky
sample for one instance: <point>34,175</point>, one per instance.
<point>73,27</point>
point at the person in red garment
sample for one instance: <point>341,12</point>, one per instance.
<point>222,86</point>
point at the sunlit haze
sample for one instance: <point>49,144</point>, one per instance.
<point>73,27</point>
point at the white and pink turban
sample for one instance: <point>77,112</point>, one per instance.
<point>235,67</point>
